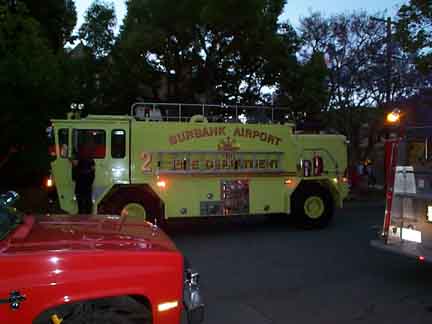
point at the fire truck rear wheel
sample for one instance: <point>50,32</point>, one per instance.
<point>312,206</point>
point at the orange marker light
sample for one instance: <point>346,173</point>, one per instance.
<point>161,184</point>
<point>49,182</point>
<point>167,306</point>
<point>288,181</point>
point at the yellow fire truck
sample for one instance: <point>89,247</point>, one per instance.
<point>176,160</point>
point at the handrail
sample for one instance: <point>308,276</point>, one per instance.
<point>204,108</point>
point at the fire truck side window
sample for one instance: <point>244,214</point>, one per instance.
<point>63,136</point>
<point>90,143</point>
<point>118,144</point>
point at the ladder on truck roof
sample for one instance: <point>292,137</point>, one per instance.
<point>180,112</point>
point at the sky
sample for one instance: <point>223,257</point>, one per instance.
<point>294,10</point>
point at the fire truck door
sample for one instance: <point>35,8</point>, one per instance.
<point>62,168</point>
<point>109,148</point>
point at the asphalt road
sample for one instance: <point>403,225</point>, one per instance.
<point>267,271</point>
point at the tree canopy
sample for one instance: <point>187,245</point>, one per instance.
<point>208,50</point>
<point>57,19</point>
<point>98,29</point>
<point>337,69</point>
<point>414,31</point>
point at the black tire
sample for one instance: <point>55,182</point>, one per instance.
<point>312,206</point>
<point>119,310</point>
<point>96,316</point>
<point>152,205</point>
<point>117,208</point>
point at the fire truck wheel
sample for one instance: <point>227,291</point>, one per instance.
<point>312,206</point>
<point>134,211</point>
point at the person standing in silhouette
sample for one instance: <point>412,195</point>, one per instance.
<point>83,173</point>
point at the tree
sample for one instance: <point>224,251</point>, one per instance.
<point>89,64</point>
<point>304,90</point>
<point>97,32</point>
<point>414,31</point>
<point>208,50</point>
<point>57,19</point>
<point>29,77</point>
<point>360,75</point>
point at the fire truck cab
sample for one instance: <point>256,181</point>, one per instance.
<point>175,160</point>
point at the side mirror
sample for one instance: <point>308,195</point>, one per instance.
<point>8,199</point>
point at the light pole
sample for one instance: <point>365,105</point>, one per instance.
<point>392,121</point>
<point>389,50</point>
<point>389,55</point>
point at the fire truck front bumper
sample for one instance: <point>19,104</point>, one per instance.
<point>408,249</point>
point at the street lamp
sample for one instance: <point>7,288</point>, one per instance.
<point>393,125</point>
<point>394,116</point>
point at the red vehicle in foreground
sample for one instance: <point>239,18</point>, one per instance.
<point>91,269</point>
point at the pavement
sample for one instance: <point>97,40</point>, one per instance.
<point>266,270</point>
<point>367,193</point>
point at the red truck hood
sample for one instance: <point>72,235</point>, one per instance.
<point>101,232</point>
